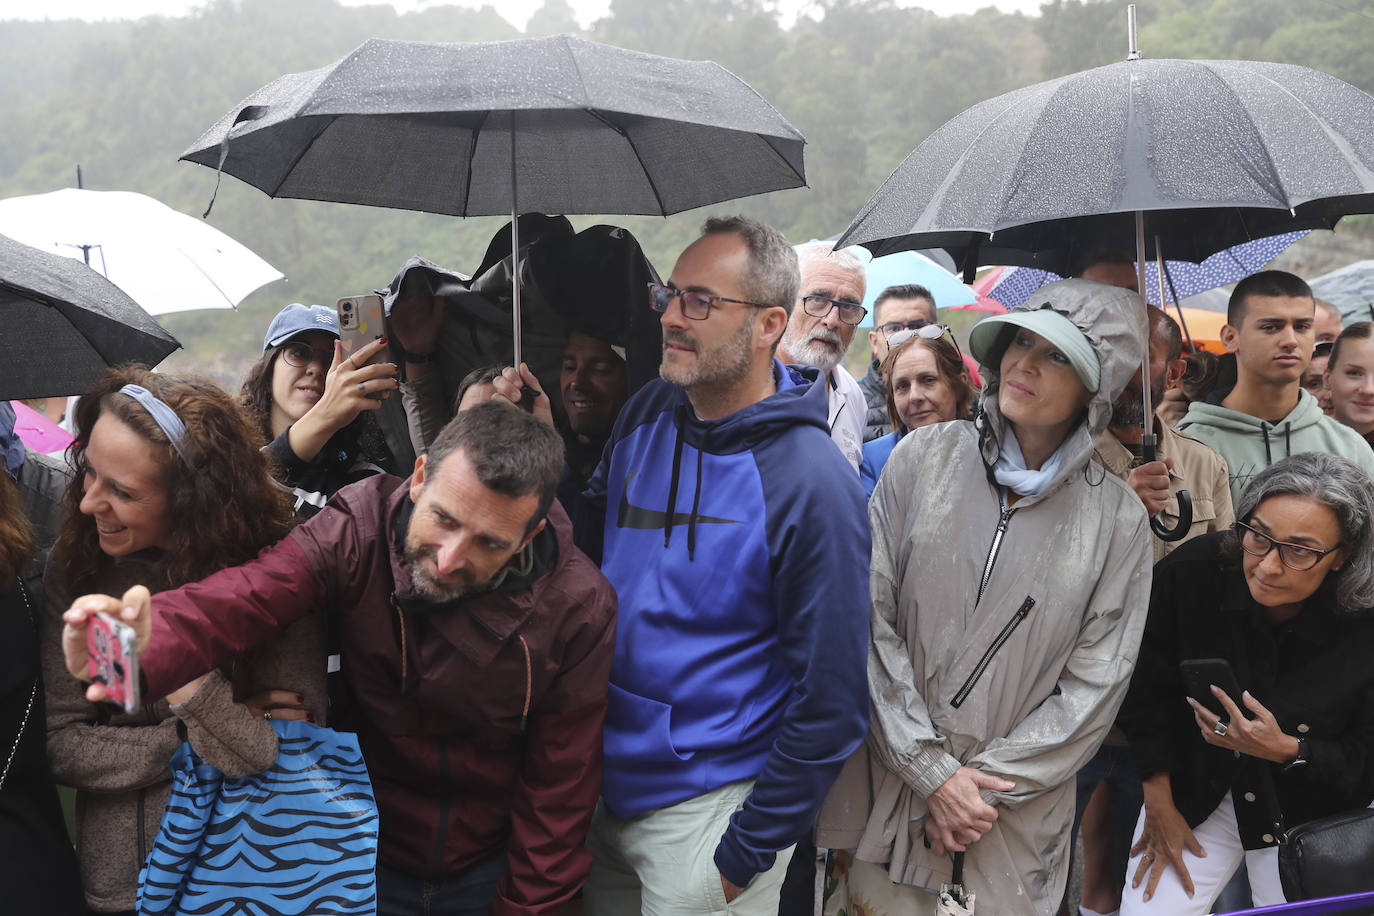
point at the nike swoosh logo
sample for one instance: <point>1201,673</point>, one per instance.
<point>631,516</point>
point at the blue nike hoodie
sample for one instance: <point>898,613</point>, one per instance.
<point>739,549</point>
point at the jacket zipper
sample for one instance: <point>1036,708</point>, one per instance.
<point>994,548</point>
<point>1002,636</point>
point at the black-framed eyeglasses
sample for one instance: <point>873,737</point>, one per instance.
<point>888,328</point>
<point>820,306</point>
<point>1294,556</point>
<point>927,330</point>
<point>300,354</point>
<point>695,305</point>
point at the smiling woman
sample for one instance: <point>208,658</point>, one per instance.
<point>314,407</point>
<point>170,485</point>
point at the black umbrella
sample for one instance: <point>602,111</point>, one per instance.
<point>559,125</point>
<point>1215,153</point>
<point>65,323</point>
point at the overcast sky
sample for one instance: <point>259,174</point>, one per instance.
<point>517,11</point>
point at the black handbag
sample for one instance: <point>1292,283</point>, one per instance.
<point>1329,856</point>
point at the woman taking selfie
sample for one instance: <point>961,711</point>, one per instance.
<point>1284,599</point>
<point>312,405</point>
<point>1010,576</point>
<point>926,383</point>
<point>170,485</point>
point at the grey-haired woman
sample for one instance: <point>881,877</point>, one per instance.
<point>1284,598</point>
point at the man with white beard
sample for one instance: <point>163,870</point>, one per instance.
<point>818,334</point>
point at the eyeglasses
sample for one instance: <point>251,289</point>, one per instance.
<point>820,306</point>
<point>926,330</point>
<point>888,328</point>
<point>695,305</point>
<point>1294,556</point>
<point>300,354</point>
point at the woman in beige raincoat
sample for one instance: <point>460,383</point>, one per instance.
<point>1010,582</point>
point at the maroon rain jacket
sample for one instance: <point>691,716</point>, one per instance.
<point>436,693</point>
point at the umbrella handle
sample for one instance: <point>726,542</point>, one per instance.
<point>1185,502</point>
<point>1185,520</point>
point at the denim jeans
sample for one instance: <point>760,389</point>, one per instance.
<point>467,893</point>
<point>1114,767</point>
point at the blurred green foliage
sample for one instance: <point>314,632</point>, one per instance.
<point>864,80</point>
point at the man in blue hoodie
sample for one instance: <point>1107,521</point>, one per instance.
<point>737,538</point>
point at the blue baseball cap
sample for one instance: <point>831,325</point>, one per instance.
<point>297,319</point>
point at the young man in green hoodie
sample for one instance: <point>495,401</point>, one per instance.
<point>1267,415</point>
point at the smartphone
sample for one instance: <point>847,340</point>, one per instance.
<point>112,659</point>
<point>361,321</point>
<point>1199,674</point>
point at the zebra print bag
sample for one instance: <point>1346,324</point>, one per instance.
<point>297,838</point>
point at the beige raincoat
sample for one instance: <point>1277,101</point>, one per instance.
<point>1022,683</point>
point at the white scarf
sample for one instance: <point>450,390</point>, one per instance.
<point>1011,471</point>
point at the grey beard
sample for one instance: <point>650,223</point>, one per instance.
<point>811,352</point>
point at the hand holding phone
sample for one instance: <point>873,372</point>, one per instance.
<point>362,320</point>
<point>111,648</point>
<point>1199,674</point>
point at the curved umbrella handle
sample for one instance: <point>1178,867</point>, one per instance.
<point>1185,520</point>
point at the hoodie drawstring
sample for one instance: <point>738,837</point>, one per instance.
<point>692,519</point>
<point>672,482</point>
<point>1288,439</point>
<point>1264,431</point>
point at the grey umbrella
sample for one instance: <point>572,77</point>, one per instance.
<point>65,323</point>
<point>560,125</point>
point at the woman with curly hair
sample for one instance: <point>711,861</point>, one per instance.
<point>170,485</point>
<point>313,405</point>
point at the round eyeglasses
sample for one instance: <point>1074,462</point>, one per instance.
<point>299,354</point>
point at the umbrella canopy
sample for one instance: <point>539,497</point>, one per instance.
<point>1213,152</point>
<point>1351,288</point>
<point>37,432</point>
<point>444,128</point>
<point>167,261</point>
<point>64,324</point>
<point>1013,286</point>
<point>912,267</point>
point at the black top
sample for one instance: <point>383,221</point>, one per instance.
<point>1315,673</point>
<point>38,868</point>
<point>312,482</point>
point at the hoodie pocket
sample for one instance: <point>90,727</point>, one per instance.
<point>639,729</point>
<point>1002,636</point>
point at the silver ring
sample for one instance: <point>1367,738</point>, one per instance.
<point>350,361</point>
<point>362,386</point>
<point>267,715</point>
<point>1220,729</point>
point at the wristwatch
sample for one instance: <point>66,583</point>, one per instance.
<point>1298,761</point>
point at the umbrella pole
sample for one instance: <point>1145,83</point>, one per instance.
<point>1164,277</point>
<point>1148,441</point>
<point>514,250</point>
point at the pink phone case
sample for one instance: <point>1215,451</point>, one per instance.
<point>113,659</point>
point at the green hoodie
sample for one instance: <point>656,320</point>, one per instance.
<point>1250,444</point>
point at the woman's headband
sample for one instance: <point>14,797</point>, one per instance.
<point>163,416</point>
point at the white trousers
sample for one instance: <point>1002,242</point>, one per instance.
<point>662,863</point>
<point>1220,839</point>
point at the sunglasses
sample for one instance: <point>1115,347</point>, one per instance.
<point>926,331</point>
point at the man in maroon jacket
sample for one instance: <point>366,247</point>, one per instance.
<point>475,643</point>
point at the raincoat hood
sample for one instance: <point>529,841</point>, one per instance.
<point>1112,320</point>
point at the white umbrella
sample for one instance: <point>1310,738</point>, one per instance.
<point>165,260</point>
